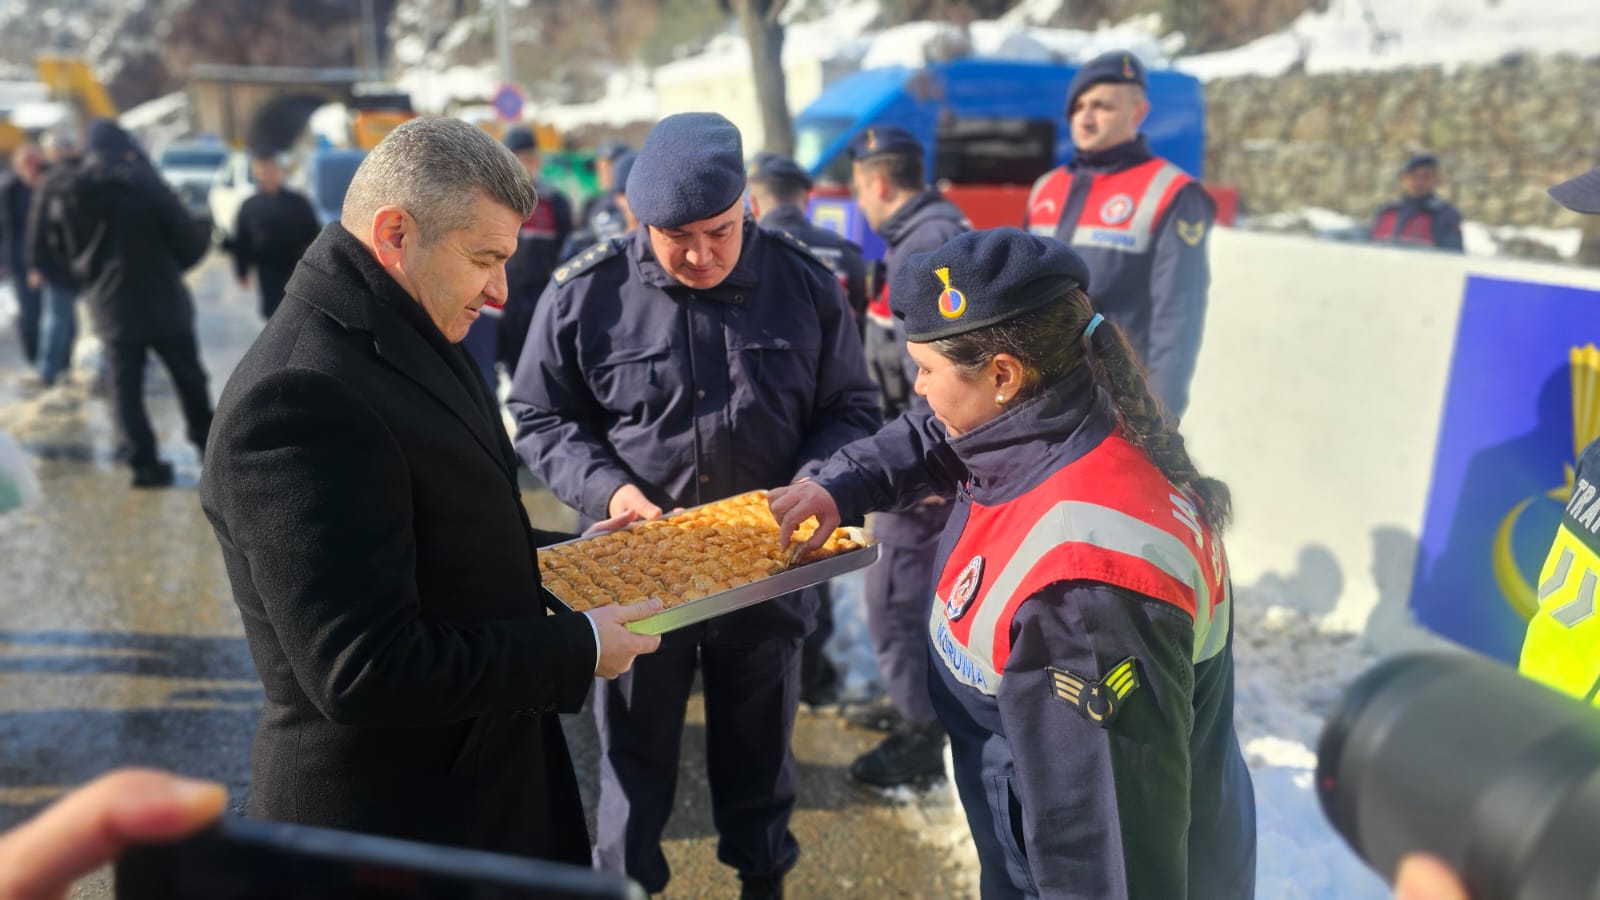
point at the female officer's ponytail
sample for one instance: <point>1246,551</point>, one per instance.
<point>1144,421</point>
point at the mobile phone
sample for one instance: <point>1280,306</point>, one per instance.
<point>251,859</point>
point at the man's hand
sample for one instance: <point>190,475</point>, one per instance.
<point>798,502</point>
<point>615,523</point>
<point>35,280</point>
<point>618,645</point>
<point>244,282</point>
<point>94,824</point>
<point>629,498</point>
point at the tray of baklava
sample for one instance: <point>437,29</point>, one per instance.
<point>702,562</point>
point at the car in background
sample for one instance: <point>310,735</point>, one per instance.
<point>234,184</point>
<point>325,178</point>
<point>191,168</point>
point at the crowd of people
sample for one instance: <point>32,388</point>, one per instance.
<point>1052,602</point>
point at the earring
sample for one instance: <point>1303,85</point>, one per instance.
<point>1000,399</point>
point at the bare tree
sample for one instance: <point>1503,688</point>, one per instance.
<point>764,33</point>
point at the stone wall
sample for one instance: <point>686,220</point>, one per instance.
<point>1503,133</point>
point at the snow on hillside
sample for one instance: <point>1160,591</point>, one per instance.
<point>1362,35</point>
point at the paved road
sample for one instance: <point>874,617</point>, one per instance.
<point>120,644</point>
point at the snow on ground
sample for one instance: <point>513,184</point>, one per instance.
<point>1361,34</point>
<point>629,97</point>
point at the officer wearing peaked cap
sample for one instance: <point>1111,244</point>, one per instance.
<point>1081,629</point>
<point>1139,222</point>
<point>698,357</point>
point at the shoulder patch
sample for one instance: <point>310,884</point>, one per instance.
<point>1098,701</point>
<point>585,261</point>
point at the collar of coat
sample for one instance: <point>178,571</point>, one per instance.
<point>339,277</point>
<point>742,278</point>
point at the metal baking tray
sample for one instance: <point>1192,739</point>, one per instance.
<point>785,582</point>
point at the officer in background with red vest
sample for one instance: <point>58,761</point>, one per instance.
<point>1419,218</point>
<point>888,180</point>
<point>1137,220</point>
<point>1082,626</point>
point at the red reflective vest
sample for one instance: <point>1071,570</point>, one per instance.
<point>1110,517</point>
<point>1122,212</point>
<point>1418,228</point>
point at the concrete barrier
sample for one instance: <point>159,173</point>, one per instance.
<point>1318,397</point>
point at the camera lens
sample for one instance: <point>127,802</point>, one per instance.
<point>1460,757</point>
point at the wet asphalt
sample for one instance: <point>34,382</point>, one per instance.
<point>120,645</point>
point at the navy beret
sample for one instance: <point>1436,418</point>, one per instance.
<point>690,167</point>
<point>519,138</point>
<point>1418,160</point>
<point>770,167</point>
<point>1580,194</point>
<point>981,278</point>
<point>1116,67</point>
<point>880,139</point>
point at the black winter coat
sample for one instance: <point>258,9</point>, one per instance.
<point>366,502</point>
<point>131,240</point>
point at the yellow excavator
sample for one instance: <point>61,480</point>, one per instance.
<point>66,80</point>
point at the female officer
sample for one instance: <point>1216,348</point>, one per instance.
<point>1083,611</point>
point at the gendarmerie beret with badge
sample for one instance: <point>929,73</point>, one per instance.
<point>690,167</point>
<point>881,139</point>
<point>981,278</point>
<point>1116,67</point>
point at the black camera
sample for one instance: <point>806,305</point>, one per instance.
<point>1461,757</point>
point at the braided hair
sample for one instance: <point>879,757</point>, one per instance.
<point>1047,342</point>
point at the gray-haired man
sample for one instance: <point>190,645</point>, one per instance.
<point>365,497</point>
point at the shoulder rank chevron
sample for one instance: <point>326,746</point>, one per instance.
<point>1098,701</point>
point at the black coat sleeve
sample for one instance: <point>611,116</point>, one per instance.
<point>304,488</point>
<point>1104,810</point>
<point>1179,279</point>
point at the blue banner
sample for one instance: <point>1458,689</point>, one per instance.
<point>1519,405</point>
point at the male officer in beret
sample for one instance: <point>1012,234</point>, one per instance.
<point>1419,218</point>
<point>1139,221</point>
<point>699,357</point>
<point>888,180</point>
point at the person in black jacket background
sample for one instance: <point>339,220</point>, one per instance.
<point>130,241</point>
<point>274,228</point>
<point>16,195</point>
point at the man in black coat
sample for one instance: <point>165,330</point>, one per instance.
<point>366,500</point>
<point>274,228</point>
<point>130,240</point>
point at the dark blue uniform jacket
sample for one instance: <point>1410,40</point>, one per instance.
<point>692,395</point>
<point>1157,805</point>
